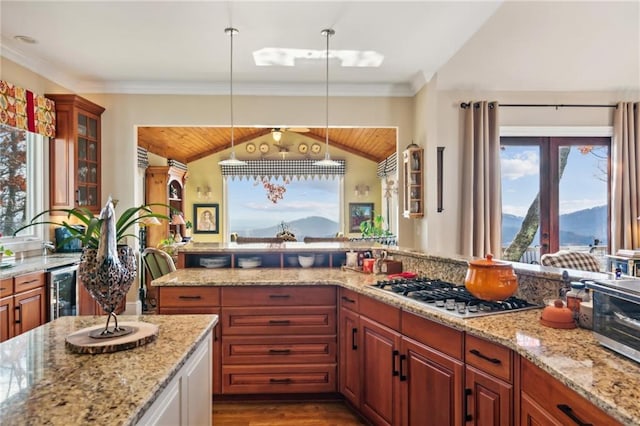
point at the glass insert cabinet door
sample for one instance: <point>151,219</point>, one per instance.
<point>75,154</point>
<point>87,170</point>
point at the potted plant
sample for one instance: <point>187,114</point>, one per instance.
<point>188,226</point>
<point>374,230</point>
<point>107,269</point>
<point>4,251</point>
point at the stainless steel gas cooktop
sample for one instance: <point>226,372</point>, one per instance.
<point>449,298</point>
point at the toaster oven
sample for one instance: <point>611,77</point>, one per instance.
<point>616,315</point>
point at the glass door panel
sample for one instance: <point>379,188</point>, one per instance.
<point>520,169</point>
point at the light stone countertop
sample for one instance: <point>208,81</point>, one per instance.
<point>43,383</point>
<point>574,357</point>
<point>37,263</point>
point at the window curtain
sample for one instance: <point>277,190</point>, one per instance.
<point>625,156</point>
<point>481,188</point>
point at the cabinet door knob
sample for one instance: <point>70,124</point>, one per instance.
<point>394,371</point>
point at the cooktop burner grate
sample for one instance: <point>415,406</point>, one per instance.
<point>449,298</point>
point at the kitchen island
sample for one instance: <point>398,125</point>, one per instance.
<point>572,357</point>
<point>42,382</point>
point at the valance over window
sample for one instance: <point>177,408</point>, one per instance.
<point>22,109</point>
<point>287,169</point>
<point>388,166</point>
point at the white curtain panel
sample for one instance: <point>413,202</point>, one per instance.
<point>481,214</point>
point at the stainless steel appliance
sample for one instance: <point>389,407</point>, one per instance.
<point>616,315</point>
<point>449,298</point>
<point>63,291</point>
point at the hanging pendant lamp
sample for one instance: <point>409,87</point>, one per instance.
<point>232,160</point>
<point>327,161</point>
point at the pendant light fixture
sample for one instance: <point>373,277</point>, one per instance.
<point>327,161</point>
<point>232,160</point>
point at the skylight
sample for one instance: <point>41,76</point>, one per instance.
<point>284,57</point>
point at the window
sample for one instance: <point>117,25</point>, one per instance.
<point>555,195</point>
<point>21,179</point>
<point>309,207</point>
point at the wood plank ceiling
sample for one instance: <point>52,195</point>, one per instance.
<point>187,144</point>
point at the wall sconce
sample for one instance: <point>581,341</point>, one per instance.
<point>206,194</point>
<point>362,190</point>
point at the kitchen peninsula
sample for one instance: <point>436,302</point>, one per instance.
<point>566,363</point>
<point>42,382</point>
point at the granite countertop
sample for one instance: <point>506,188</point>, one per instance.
<point>41,382</point>
<point>15,267</point>
<point>574,357</point>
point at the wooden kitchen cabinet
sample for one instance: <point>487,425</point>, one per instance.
<point>278,339</point>
<point>546,401</point>
<point>164,185</point>
<point>196,300</point>
<point>6,318</point>
<point>350,346</point>
<point>23,305</point>
<point>413,171</point>
<point>74,154</point>
<point>380,362</point>
<point>489,390</point>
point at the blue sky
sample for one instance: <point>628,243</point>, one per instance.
<point>581,187</point>
<point>249,206</point>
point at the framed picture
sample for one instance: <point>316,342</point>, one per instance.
<point>206,219</point>
<point>358,213</point>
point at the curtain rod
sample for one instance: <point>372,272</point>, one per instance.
<point>465,105</point>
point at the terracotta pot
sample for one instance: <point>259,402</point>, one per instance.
<point>488,279</point>
<point>557,316</point>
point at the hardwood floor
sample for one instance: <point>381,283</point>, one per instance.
<point>283,414</point>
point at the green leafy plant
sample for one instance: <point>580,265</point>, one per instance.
<point>90,236</point>
<point>374,227</point>
<point>5,251</point>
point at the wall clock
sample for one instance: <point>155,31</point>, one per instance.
<point>315,148</point>
<point>303,148</point>
<point>251,148</point>
<point>264,147</point>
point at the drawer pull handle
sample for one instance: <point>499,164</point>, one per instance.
<point>287,380</point>
<point>394,372</point>
<point>3,288</point>
<point>569,413</point>
<point>483,356</point>
<point>190,297</point>
<point>346,299</point>
<point>29,282</point>
<point>18,315</point>
<point>467,393</point>
<point>279,296</point>
<point>280,351</point>
<point>354,345</point>
<point>403,377</point>
<point>279,322</point>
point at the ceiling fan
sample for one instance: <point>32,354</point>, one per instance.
<point>277,132</point>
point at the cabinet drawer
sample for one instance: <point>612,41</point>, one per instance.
<point>270,379</point>
<point>278,349</point>
<point>28,281</point>
<point>188,297</point>
<point>6,287</point>
<point>279,296</point>
<point>448,340</point>
<point>278,321</point>
<point>489,357</point>
<point>349,299</point>
<point>557,400</point>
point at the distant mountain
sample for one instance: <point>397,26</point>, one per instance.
<point>578,228</point>
<point>312,226</point>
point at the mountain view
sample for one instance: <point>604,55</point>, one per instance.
<point>578,228</point>
<point>312,226</point>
